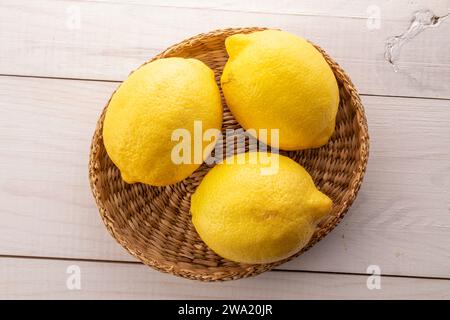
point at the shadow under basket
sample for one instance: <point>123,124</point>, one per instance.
<point>154,223</point>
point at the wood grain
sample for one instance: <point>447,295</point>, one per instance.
<point>359,9</point>
<point>46,279</point>
<point>40,38</point>
<point>400,220</point>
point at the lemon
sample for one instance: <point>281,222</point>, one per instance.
<point>246,215</point>
<point>154,101</point>
<point>276,80</point>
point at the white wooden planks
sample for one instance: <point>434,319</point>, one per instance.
<point>400,220</point>
<point>106,40</point>
<point>45,279</point>
<point>399,9</point>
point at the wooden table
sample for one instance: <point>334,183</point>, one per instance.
<point>61,60</point>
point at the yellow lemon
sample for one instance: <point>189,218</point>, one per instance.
<point>149,106</point>
<point>276,80</point>
<point>249,214</point>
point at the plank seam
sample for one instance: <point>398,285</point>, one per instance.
<point>120,81</point>
<point>9,256</point>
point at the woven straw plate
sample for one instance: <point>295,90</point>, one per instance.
<point>154,223</point>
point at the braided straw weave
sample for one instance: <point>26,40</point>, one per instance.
<point>154,223</point>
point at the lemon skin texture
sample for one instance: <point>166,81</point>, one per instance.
<point>248,217</point>
<point>277,80</point>
<point>156,99</point>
